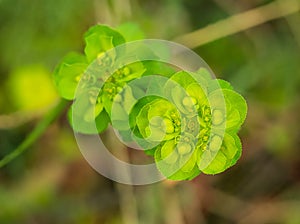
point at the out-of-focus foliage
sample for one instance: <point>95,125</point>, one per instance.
<point>40,29</point>
<point>52,183</point>
<point>31,88</point>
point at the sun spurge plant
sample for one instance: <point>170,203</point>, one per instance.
<point>186,120</point>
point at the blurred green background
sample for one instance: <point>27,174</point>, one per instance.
<point>52,183</point>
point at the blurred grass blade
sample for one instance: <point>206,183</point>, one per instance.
<point>238,23</point>
<point>36,133</point>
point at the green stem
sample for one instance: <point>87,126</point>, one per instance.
<point>36,133</point>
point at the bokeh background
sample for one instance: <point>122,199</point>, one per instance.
<point>52,183</point>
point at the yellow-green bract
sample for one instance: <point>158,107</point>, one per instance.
<point>189,127</point>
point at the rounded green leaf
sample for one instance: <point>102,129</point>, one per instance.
<point>173,165</point>
<point>187,94</point>
<point>129,72</point>
<point>166,128</point>
<point>99,39</point>
<point>88,126</point>
<point>158,68</point>
<point>216,84</point>
<point>68,74</point>
<point>236,109</point>
<point>204,74</point>
<point>225,156</point>
<point>130,31</point>
<point>234,112</point>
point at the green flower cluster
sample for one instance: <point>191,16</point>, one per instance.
<point>186,120</point>
<point>73,74</point>
<point>194,127</point>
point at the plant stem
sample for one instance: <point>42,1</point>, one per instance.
<point>239,22</point>
<point>36,133</point>
<point>18,118</point>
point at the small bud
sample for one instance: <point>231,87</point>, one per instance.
<point>207,118</point>
<point>205,138</point>
<point>206,111</point>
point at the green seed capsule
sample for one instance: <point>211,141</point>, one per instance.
<point>184,148</point>
<point>177,139</point>
<point>215,143</point>
<point>186,139</point>
<point>189,101</point>
<point>217,117</point>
